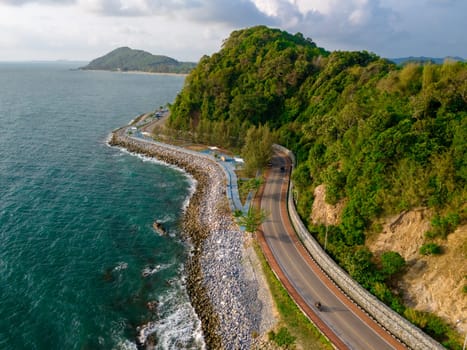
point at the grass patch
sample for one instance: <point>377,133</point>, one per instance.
<point>247,185</point>
<point>293,323</point>
<point>283,338</point>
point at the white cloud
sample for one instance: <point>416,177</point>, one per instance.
<point>345,24</point>
<point>187,29</point>
<point>116,7</point>
<point>268,7</point>
<point>46,2</point>
<point>322,6</point>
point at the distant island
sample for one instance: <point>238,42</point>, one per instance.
<point>423,59</point>
<point>125,59</point>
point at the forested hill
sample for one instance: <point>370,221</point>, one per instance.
<point>386,137</point>
<point>382,138</point>
<point>252,78</point>
<point>126,59</point>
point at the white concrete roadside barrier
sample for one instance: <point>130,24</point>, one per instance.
<point>398,326</point>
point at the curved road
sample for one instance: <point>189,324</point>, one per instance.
<point>340,320</point>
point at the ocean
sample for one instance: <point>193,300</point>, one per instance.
<point>81,266</point>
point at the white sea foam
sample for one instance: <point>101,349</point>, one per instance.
<point>121,266</point>
<point>178,327</point>
<point>151,270</point>
<point>108,139</point>
<point>174,332</point>
<point>125,344</point>
<point>178,330</point>
<point>191,191</point>
<point>192,181</point>
<point>165,218</point>
<point>153,160</point>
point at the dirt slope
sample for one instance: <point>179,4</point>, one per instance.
<point>432,283</point>
<point>322,212</point>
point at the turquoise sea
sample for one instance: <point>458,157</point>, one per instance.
<point>79,259</point>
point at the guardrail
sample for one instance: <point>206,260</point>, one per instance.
<point>395,324</point>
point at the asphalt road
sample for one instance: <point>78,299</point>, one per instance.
<point>341,321</point>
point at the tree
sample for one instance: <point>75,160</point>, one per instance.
<point>257,151</point>
<point>360,267</point>
<point>391,263</point>
<point>253,219</point>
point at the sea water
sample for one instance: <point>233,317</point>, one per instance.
<point>81,266</point>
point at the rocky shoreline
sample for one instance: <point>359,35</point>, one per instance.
<point>231,300</point>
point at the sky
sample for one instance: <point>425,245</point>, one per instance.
<point>188,29</point>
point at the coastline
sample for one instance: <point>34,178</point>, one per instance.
<point>133,72</point>
<point>226,292</point>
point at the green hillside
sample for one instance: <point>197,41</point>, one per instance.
<point>126,59</point>
<point>389,138</point>
<point>383,137</point>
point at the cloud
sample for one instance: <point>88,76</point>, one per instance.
<point>285,13</point>
<point>116,7</point>
<point>345,24</point>
<point>387,27</point>
<point>47,2</point>
<point>431,28</point>
<point>348,24</point>
<point>330,18</point>
<point>234,13</point>
<point>443,3</point>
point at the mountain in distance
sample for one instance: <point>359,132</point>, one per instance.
<point>125,59</point>
<point>423,59</point>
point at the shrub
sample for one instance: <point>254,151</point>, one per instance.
<point>304,204</point>
<point>253,219</point>
<point>392,263</point>
<point>282,338</point>
<point>434,326</point>
<point>430,249</point>
<point>430,323</point>
<point>442,226</point>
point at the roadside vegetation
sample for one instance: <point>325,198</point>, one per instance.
<point>247,186</point>
<point>385,138</point>
<point>253,219</point>
<point>294,328</point>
